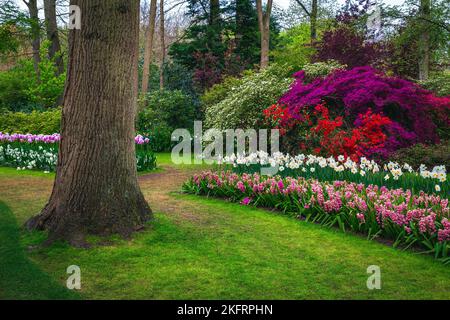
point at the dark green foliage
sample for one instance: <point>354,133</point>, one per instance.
<point>166,111</point>
<point>214,49</point>
<point>219,92</point>
<point>20,89</point>
<point>433,155</point>
<point>439,83</point>
<point>405,43</point>
<point>36,122</point>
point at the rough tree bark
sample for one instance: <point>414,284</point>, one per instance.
<point>54,51</point>
<point>35,33</point>
<point>148,50</point>
<point>163,44</point>
<point>264,29</point>
<point>96,189</point>
<point>424,40</point>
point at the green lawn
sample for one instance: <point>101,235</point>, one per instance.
<point>198,248</point>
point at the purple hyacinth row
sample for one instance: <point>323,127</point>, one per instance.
<point>30,138</point>
<point>53,138</point>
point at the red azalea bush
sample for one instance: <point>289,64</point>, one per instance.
<point>328,136</point>
<point>350,94</point>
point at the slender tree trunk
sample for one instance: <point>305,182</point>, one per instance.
<point>54,51</point>
<point>163,44</point>
<point>35,34</point>
<point>148,50</point>
<point>264,29</point>
<point>214,16</point>
<point>313,17</point>
<point>424,41</point>
<point>240,6</point>
<point>96,189</point>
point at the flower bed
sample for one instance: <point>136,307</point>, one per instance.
<point>393,214</point>
<point>391,175</point>
<point>30,151</point>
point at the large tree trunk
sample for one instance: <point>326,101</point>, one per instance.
<point>424,41</point>
<point>35,34</point>
<point>264,29</point>
<point>148,50</point>
<point>313,18</point>
<point>96,189</point>
<point>163,44</point>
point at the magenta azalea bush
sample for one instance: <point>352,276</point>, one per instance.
<point>414,111</point>
<point>395,214</point>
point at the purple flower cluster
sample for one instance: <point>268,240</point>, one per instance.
<point>141,140</point>
<point>53,138</point>
<point>30,138</point>
<point>353,92</point>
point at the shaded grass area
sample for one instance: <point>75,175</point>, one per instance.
<point>211,249</point>
<point>19,277</point>
<point>164,159</point>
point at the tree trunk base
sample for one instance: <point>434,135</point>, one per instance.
<point>66,225</point>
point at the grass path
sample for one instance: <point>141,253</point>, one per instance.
<point>198,248</point>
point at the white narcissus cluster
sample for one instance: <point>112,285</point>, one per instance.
<point>391,170</point>
<point>24,158</point>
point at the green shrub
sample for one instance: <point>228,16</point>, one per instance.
<point>164,112</point>
<point>294,47</point>
<point>439,83</point>
<point>320,69</point>
<point>36,122</point>
<point>160,137</point>
<point>244,103</point>
<point>20,89</point>
<point>433,155</point>
<point>13,89</point>
<point>175,108</point>
<point>220,91</point>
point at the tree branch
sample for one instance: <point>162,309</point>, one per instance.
<point>303,7</point>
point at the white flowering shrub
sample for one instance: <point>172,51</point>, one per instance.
<point>321,69</point>
<point>244,104</point>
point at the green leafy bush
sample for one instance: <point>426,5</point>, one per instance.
<point>36,122</point>
<point>13,88</point>
<point>220,91</point>
<point>321,69</point>
<point>244,103</point>
<point>439,83</point>
<point>175,108</point>
<point>294,47</point>
<point>20,89</point>
<point>433,155</point>
<point>164,112</point>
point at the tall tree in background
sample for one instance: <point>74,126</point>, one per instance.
<point>264,29</point>
<point>163,44</point>
<point>54,51</point>
<point>96,189</point>
<point>424,40</point>
<point>247,37</point>
<point>35,32</point>
<point>312,14</point>
<point>148,50</point>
